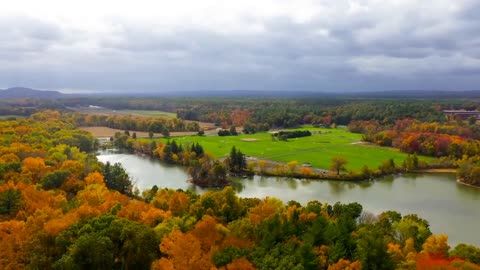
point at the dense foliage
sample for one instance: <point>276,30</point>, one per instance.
<point>137,123</point>
<point>62,209</point>
<point>285,135</point>
<point>260,114</point>
<point>455,142</point>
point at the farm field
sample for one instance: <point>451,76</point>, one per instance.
<point>144,113</point>
<point>317,149</point>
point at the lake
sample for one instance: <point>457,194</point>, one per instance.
<point>449,207</point>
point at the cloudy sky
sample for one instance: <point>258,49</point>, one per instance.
<point>318,45</point>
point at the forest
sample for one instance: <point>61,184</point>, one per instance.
<point>62,209</point>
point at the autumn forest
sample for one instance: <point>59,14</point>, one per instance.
<point>60,208</point>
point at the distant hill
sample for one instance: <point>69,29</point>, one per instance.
<point>415,94</point>
<point>22,92</point>
<point>395,94</point>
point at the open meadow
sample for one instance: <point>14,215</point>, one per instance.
<point>317,149</point>
<point>107,111</point>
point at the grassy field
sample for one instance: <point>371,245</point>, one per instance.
<point>6,117</point>
<point>143,113</point>
<point>317,149</point>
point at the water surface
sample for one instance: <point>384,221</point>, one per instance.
<point>450,208</point>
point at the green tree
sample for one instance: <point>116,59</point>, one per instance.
<point>166,133</point>
<point>467,252</point>
<point>89,251</point>
<point>55,179</point>
<point>107,242</point>
<point>371,249</point>
<point>236,162</point>
<point>411,226</point>
<point>10,201</point>
<point>116,178</point>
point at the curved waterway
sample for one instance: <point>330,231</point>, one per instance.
<point>449,207</point>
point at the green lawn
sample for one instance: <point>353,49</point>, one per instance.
<point>317,149</point>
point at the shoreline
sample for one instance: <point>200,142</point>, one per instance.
<point>321,174</point>
<point>432,170</point>
<point>459,181</point>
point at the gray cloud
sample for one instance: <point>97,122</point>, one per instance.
<point>377,46</point>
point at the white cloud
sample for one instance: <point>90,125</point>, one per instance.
<point>247,44</point>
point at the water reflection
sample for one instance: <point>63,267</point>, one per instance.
<point>238,184</point>
<point>292,183</point>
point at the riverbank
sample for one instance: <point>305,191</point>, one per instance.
<point>436,170</point>
<point>459,181</point>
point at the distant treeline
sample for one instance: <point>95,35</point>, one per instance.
<point>278,112</point>
<point>260,113</point>
<point>136,123</point>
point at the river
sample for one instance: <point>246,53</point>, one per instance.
<point>450,208</point>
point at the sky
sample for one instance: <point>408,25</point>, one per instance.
<point>276,45</point>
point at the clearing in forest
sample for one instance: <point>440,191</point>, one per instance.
<point>317,149</point>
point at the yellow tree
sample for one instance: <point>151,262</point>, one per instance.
<point>292,166</point>
<point>338,164</point>
<point>436,245</point>
<point>33,168</point>
<point>184,251</point>
<point>264,210</point>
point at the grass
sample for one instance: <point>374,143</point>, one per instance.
<point>143,113</point>
<point>317,149</point>
<point>7,117</point>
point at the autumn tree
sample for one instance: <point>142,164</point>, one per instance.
<point>34,168</point>
<point>343,264</point>
<point>292,166</point>
<point>338,164</point>
<point>410,163</point>
<point>387,167</point>
<point>183,251</point>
